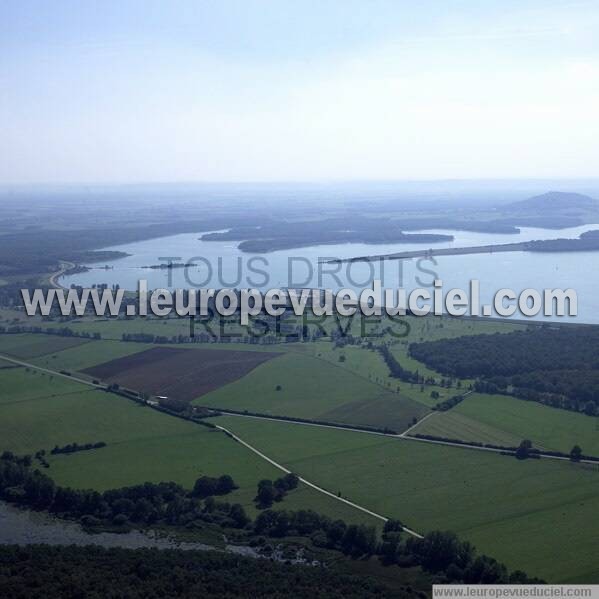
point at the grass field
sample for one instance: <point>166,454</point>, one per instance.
<point>113,328</point>
<point>32,346</point>
<point>366,363</point>
<point>369,364</point>
<point>408,329</point>
<point>537,515</point>
<point>183,458</point>
<point>454,425</point>
<point>22,385</point>
<point>506,420</point>
<point>316,389</point>
<point>433,327</point>
<point>311,386</point>
<point>88,355</point>
<point>41,411</point>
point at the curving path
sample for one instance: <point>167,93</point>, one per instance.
<point>401,437</point>
<point>310,484</point>
<point>64,266</point>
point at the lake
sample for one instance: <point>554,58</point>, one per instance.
<point>221,264</point>
<point>24,527</point>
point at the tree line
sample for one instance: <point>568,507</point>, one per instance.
<point>440,553</point>
<point>38,330</point>
<point>168,503</point>
<point>356,427</point>
<point>449,403</point>
<point>75,447</point>
<point>396,370</point>
<point>147,504</point>
<point>524,450</point>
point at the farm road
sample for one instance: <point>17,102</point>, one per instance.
<point>401,437</point>
<point>230,434</point>
<point>312,485</point>
<point>70,377</point>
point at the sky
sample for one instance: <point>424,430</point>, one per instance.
<point>284,90</point>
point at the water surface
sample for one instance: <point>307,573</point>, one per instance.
<point>24,527</point>
<point>221,264</point>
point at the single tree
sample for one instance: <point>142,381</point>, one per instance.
<point>576,453</point>
<point>266,493</point>
<point>523,450</point>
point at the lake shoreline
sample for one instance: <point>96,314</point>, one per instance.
<point>544,246</point>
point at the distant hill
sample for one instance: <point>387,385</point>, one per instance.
<point>553,201</point>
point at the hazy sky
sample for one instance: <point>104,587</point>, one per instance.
<point>124,91</point>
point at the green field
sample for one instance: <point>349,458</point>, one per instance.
<point>537,515</point>
<point>315,389</point>
<point>42,413</point>
<point>430,328</point>
<point>10,316</point>
<point>19,384</point>
<point>88,355</point>
<point>506,420</point>
<point>358,360</point>
<point>524,513</point>
<point>453,425</point>
<point>183,457</point>
<point>313,385</point>
<point>114,328</point>
<point>31,346</point>
<point>39,411</point>
<point>355,359</point>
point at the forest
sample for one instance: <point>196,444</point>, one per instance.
<point>38,251</point>
<point>557,366</point>
<point>96,573</point>
<point>348,229</point>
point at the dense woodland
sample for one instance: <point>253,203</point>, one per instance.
<point>97,573</point>
<point>558,366</point>
<point>39,251</point>
<point>347,229</point>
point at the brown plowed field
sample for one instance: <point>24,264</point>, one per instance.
<point>183,374</point>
